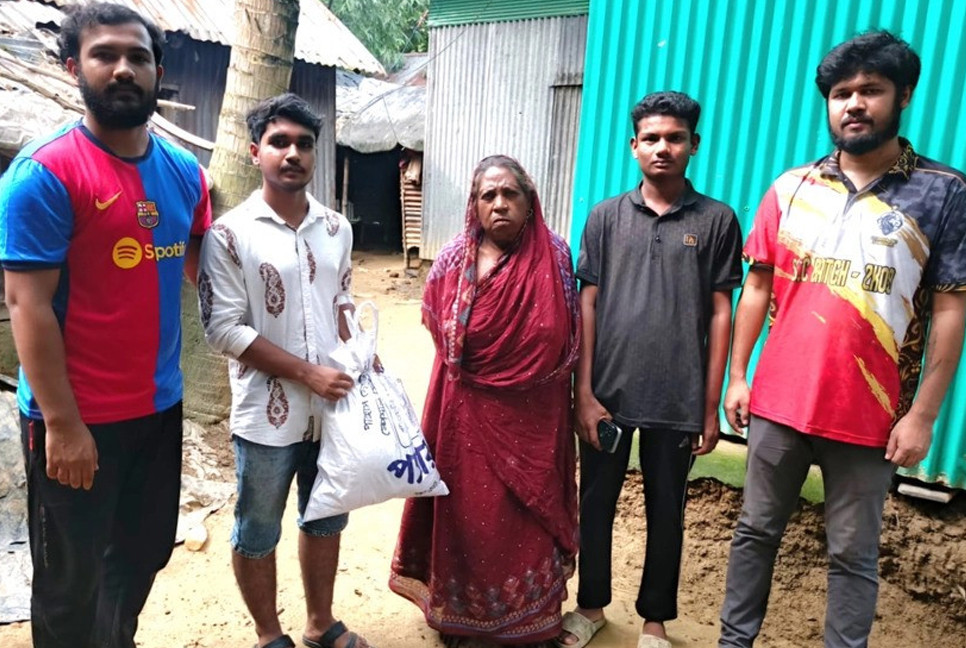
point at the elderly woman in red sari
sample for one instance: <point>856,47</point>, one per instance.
<point>491,560</point>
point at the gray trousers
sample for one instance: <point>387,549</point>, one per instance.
<point>856,480</point>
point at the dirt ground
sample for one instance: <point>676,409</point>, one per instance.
<point>922,602</point>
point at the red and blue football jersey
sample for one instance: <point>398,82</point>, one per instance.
<point>118,229</point>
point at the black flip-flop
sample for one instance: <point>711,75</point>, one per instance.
<point>327,640</point>
<point>284,641</point>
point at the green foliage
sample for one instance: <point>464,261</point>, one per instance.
<point>388,28</point>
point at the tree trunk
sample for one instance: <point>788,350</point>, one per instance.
<point>260,67</point>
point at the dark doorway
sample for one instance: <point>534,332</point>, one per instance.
<point>373,189</point>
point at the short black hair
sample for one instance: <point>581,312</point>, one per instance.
<point>878,52</point>
<point>81,17</point>
<point>670,103</point>
<point>288,106</point>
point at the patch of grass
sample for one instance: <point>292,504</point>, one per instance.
<point>727,465</point>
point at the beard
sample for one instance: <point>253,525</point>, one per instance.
<point>862,144</point>
<point>119,113</point>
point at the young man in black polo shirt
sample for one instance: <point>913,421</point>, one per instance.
<point>657,266</point>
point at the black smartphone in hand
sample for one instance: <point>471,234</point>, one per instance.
<point>609,435</point>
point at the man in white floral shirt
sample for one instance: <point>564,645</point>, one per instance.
<point>274,282</point>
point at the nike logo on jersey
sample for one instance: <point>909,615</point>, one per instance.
<point>102,205</point>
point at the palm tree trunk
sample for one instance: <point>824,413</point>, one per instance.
<point>260,67</point>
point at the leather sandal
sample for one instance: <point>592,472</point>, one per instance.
<point>336,630</point>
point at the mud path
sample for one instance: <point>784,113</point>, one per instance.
<point>195,603</point>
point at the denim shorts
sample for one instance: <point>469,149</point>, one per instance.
<point>264,477</point>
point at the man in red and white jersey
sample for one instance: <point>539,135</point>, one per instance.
<point>855,257</point>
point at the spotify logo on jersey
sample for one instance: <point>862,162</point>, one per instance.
<point>128,252</point>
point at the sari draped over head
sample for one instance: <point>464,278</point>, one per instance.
<point>492,558</point>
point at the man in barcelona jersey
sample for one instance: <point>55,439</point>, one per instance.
<point>98,223</point>
<point>860,260</point>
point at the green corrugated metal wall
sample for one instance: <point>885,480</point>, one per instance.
<point>751,65</point>
<point>462,12</point>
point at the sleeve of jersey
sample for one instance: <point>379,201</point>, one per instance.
<point>589,257</point>
<point>763,237</point>
<point>202,216</point>
<point>36,217</point>
<point>946,271</point>
<point>727,256</point>
<point>223,299</point>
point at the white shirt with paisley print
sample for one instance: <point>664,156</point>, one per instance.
<point>261,277</point>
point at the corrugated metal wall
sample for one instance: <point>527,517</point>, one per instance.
<point>316,84</point>
<point>751,64</point>
<point>197,71</point>
<point>321,38</point>
<point>559,185</point>
<point>493,88</point>
<point>461,12</point>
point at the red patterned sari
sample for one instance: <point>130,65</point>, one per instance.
<point>492,558</point>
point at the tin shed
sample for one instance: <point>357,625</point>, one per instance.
<point>196,65</point>
<point>504,76</point>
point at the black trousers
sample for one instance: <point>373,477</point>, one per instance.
<point>666,460</point>
<point>95,553</point>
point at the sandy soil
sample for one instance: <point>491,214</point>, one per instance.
<point>195,602</point>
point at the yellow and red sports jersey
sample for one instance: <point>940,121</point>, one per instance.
<point>853,277</point>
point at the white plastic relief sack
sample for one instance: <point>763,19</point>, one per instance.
<point>372,447</point>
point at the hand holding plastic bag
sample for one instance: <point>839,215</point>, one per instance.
<point>372,446</point>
